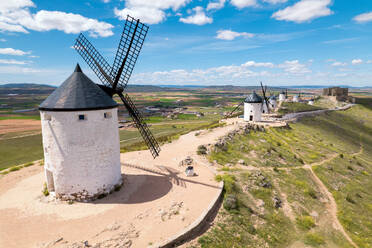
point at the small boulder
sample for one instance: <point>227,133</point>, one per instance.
<point>230,202</point>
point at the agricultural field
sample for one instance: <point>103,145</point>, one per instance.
<point>20,131</point>
<point>280,184</point>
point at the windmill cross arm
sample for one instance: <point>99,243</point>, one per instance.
<point>94,59</point>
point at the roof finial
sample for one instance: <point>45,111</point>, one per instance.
<point>77,68</point>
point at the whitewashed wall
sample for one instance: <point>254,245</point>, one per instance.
<point>272,103</point>
<point>254,109</point>
<point>281,97</point>
<point>83,155</point>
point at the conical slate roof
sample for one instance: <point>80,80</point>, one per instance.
<point>253,98</point>
<point>78,92</point>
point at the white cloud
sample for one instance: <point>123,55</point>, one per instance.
<point>199,17</point>
<point>275,1</point>
<point>294,67</point>
<point>15,16</point>
<point>12,51</point>
<point>338,64</point>
<point>304,10</point>
<point>231,35</point>
<point>12,62</point>
<point>149,11</point>
<point>357,61</point>
<point>20,70</point>
<point>258,64</point>
<point>362,18</point>
<point>226,74</point>
<point>15,4</point>
<point>106,1</point>
<point>216,5</point>
<point>2,40</point>
<point>243,3</point>
<point>146,15</point>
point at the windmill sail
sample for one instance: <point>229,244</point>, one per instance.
<point>265,98</point>
<point>236,108</point>
<point>130,45</point>
<point>129,48</point>
<point>147,136</point>
<point>94,59</point>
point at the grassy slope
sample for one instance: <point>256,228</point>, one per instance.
<point>15,151</point>
<point>311,140</point>
<point>292,107</point>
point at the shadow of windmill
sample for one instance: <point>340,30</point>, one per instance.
<point>142,188</point>
<point>170,173</point>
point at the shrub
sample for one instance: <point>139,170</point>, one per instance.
<point>350,199</point>
<point>349,167</point>
<point>229,182</point>
<point>305,222</point>
<point>202,150</point>
<point>314,239</point>
<point>28,164</point>
<point>341,155</point>
<point>301,161</point>
<point>45,190</point>
<point>14,168</point>
<point>311,193</point>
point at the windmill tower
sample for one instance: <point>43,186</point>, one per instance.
<point>282,96</point>
<point>253,107</point>
<point>272,102</point>
<point>80,139</point>
<point>295,98</point>
<point>80,123</point>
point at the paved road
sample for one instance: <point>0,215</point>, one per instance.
<point>294,116</point>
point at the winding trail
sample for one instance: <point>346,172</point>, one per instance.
<point>331,204</point>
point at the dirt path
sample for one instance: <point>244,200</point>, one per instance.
<point>156,193</point>
<point>331,205</point>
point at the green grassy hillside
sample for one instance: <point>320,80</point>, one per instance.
<point>338,148</point>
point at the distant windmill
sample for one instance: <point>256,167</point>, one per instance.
<point>253,106</point>
<point>265,104</point>
<point>283,96</point>
<point>116,78</point>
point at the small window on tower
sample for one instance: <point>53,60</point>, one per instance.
<point>82,117</point>
<point>47,117</point>
<point>107,115</point>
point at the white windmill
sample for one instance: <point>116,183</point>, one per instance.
<point>80,123</point>
<point>253,105</point>
<point>272,102</point>
<point>282,96</point>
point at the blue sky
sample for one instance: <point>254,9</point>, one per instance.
<point>216,42</point>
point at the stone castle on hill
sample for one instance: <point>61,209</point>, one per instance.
<point>340,94</point>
